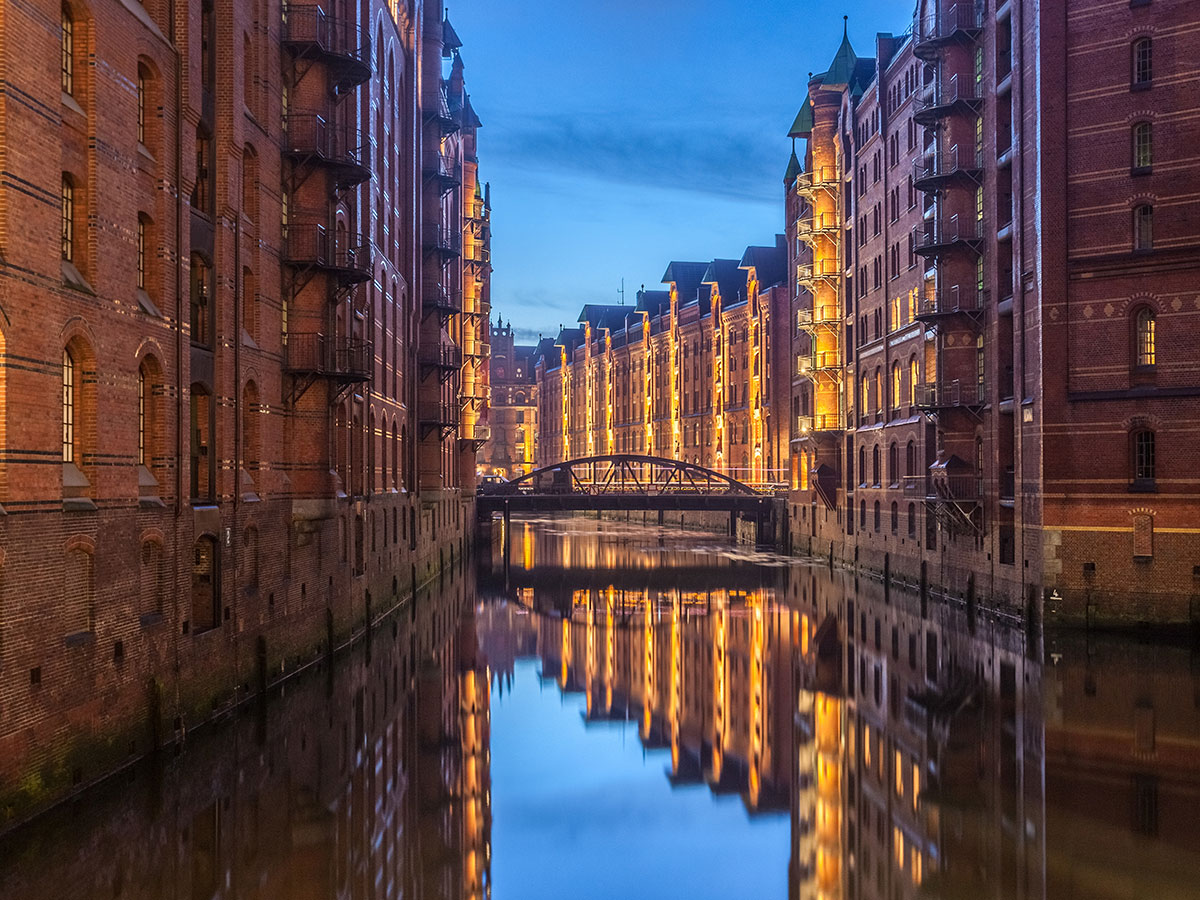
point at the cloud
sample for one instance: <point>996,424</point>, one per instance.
<point>674,152</point>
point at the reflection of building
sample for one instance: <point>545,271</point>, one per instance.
<point>364,779</point>
<point>514,408</point>
<point>959,352</point>
<point>687,373</point>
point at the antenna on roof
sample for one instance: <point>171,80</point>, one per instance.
<point>622,292</point>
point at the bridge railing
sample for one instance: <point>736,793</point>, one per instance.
<point>645,476</point>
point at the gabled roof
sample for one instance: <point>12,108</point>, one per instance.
<point>686,276</point>
<point>652,302</point>
<point>769,263</point>
<point>604,315</point>
<point>728,277</point>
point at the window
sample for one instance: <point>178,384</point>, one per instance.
<point>895,517</point>
<point>875,466</point>
<point>877,515</point>
<point>199,301</point>
<point>894,464</point>
<point>141,103</point>
<point>151,581</point>
<point>202,193</point>
<point>1143,457</point>
<point>1143,227</point>
<point>1143,70</point>
<point>202,468</point>
<point>897,384</point>
<point>205,585</point>
<point>80,599</point>
<point>1143,147</point>
<point>913,376</point>
<point>68,407</point>
<point>68,51</point>
<point>1144,336</point>
<point>143,236</point>
<point>68,218</point>
<point>912,533</point>
<point>141,406</point>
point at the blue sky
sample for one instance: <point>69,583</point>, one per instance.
<point>585,813</point>
<point>621,134</point>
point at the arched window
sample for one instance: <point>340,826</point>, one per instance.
<point>1144,338</point>
<point>150,577</point>
<point>1143,227</point>
<point>910,459</point>
<point>875,480</point>
<point>69,385</point>
<point>877,520</point>
<point>1143,147</point>
<point>249,304</point>
<point>395,457</point>
<point>894,464</point>
<point>912,520</point>
<point>144,255</point>
<point>1143,63</point>
<point>1143,453</point>
<point>862,465</point>
<point>206,585</point>
<point>879,390</point>
<point>68,217</point>
<point>897,384</point>
<point>68,51</point>
<point>866,405</point>
<point>914,377</point>
<point>250,185</point>
<point>143,78</point>
<point>250,416</point>
<point>862,514</point>
<point>248,75</point>
<point>80,591</point>
<point>895,517</point>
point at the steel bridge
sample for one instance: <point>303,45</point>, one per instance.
<point>628,482</point>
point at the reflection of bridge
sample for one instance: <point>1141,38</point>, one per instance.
<point>626,482</point>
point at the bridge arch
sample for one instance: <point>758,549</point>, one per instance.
<point>626,473</point>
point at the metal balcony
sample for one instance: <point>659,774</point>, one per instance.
<point>817,425</point>
<point>811,227</point>
<point>822,361</point>
<point>343,359</point>
<point>952,301</point>
<point>439,415</point>
<point>311,33</point>
<point>346,152</point>
<point>819,270</point>
<point>441,115</point>
<point>937,236</point>
<point>475,434</point>
<point>956,94</point>
<point>442,358</point>
<point>437,299</point>
<point>446,242</point>
<point>935,171</point>
<point>956,487</point>
<point>821,178</point>
<point>950,395</point>
<point>821,317</point>
<point>442,169</point>
<point>958,22</point>
<point>312,245</point>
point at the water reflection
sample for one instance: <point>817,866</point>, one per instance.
<point>908,748</point>
<point>921,748</point>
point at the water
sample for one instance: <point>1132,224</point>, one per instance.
<point>631,712</point>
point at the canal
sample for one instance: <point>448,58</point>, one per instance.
<point>611,710</point>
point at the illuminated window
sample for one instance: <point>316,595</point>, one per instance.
<point>897,384</point>
<point>68,407</point>
<point>1145,338</point>
<point>1143,71</point>
<point>1143,146</point>
<point>68,218</point>
<point>899,774</point>
<point>68,51</point>
<point>1143,227</point>
<point>913,376</point>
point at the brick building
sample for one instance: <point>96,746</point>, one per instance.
<point>976,316</point>
<point>687,373</point>
<point>513,446</point>
<point>241,403</point>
